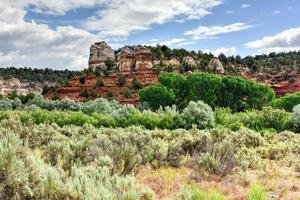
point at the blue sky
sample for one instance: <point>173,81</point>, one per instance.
<point>58,34</point>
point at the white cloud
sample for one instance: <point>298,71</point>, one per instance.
<point>223,50</point>
<point>205,32</point>
<point>121,17</point>
<point>288,40</point>
<point>245,5</point>
<point>36,45</point>
<point>175,42</point>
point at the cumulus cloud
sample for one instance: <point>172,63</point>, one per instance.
<point>121,17</point>
<point>205,32</point>
<point>288,40</point>
<point>31,44</point>
<point>175,42</point>
<point>223,50</point>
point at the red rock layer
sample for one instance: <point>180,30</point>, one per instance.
<point>144,76</point>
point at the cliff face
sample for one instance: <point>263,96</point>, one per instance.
<point>21,87</point>
<point>100,54</point>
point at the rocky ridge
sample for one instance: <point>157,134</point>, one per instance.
<point>136,64</point>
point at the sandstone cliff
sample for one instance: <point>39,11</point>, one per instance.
<point>100,54</point>
<point>21,87</point>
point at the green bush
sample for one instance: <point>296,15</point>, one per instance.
<point>287,101</point>
<point>220,158</point>
<point>268,118</point>
<point>110,93</point>
<point>198,113</point>
<point>84,93</point>
<point>296,118</point>
<point>256,192</point>
<point>82,80</point>
<point>234,92</point>
<point>192,192</point>
<point>99,82</point>
<point>121,80</point>
<point>26,176</point>
<point>136,85</point>
<point>157,96</point>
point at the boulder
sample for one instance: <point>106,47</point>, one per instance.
<point>126,59</point>
<point>171,62</point>
<point>189,60</point>
<point>216,66</point>
<point>143,58</point>
<point>100,53</point>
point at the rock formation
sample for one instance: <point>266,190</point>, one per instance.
<point>216,66</point>
<point>189,60</point>
<point>172,62</point>
<point>143,58</point>
<point>126,59</point>
<point>100,54</point>
<point>131,60</point>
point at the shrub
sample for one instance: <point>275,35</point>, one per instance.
<point>256,192</point>
<point>127,93</point>
<point>84,93</point>
<point>198,113</point>
<point>110,93</point>
<point>268,118</point>
<point>220,158</point>
<point>47,88</point>
<point>136,85</point>
<point>82,80</point>
<point>296,118</point>
<point>55,96</point>
<point>99,82</point>
<point>287,101</point>
<point>121,80</point>
<point>110,64</point>
<point>157,96</point>
<point>192,192</point>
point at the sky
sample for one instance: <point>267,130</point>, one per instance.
<point>58,33</point>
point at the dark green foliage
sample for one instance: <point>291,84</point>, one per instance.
<point>98,71</point>
<point>136,85</point>
<point>109,64</point>
<point>84,93</point>
<point>121,80</point>
<point>127,93</point>
<point>268,118</point>
<point>287,101</point>
<point>38,75</point>
<point>157,96</point>
<point>55,96</point>
<point>177,83</point>
<point>82,80</point>
<point>236,93</point>
<point>110,93</point>
<point>99,82</point>
<point>47,88</point>
<point>93,95</point>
